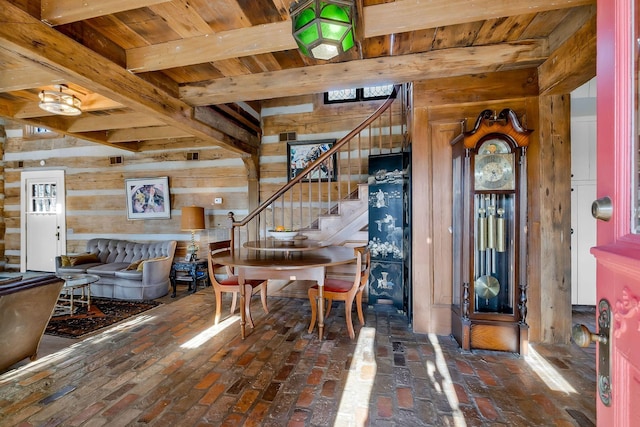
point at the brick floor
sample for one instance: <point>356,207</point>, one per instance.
<point>170,366</point>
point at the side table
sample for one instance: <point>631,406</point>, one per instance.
<point>72,282</point>
<point>196,270</point>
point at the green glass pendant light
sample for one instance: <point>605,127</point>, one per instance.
<point>323,29</point>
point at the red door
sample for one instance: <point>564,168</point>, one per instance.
<point>618,242</point>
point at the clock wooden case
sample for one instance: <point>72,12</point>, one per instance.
<point>489,234</point>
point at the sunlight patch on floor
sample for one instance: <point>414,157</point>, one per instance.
<point>209,333</point>
<point>547,373</point>
<point>441,381</point>
<point>37,365</point>
<point>356,396</point>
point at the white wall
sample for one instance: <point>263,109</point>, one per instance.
<point>583,193</point>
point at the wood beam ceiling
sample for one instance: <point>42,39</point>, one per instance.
<point>397,69</point>
<point>381,19</point>
<point>27,38</point>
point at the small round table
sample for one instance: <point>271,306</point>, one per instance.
<point>77,281</point>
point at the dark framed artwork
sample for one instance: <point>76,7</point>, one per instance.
<point>302,154</point>
<point>148,198</point>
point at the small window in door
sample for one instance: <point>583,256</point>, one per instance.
<point>43,198</point>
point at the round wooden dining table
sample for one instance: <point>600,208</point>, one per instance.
<point>294,265</point>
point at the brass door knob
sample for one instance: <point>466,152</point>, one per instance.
<point>582,336</point>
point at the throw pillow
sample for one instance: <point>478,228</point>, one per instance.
<point>141,266</point>
<point>84,259</point>
<point>65,260</point>
<point>134,265</point>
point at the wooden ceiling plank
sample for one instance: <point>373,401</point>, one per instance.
<point>57,12</point>
<point>96,102</point>
<point>145,134</point>
<point>182,18</point>
<point>398,69</point>
<point>212,47</point>
<point>412,15</point>
<point>28,38</point>
<point>572,64</point>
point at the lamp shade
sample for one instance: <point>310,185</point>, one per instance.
<point>323,29</point>
<point>192,218</point>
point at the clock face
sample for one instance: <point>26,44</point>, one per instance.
<point>494,172</point>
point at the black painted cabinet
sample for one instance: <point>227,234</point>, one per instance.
<point>390,231</point>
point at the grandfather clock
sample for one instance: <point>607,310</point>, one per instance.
<point>489,234</point>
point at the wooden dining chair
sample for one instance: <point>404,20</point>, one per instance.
<point>344,290</point>
<point>230,283</point>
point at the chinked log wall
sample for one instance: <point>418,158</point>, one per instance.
<point>95,199</point>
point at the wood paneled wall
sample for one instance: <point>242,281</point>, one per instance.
<point>95,189</point>
<point>440,114</point>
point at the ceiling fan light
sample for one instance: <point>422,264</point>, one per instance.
<point>61,103</point>
<point>323,29</point>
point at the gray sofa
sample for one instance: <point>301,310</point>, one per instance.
<point>128,270</point>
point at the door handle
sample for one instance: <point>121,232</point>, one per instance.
<point>602,208</point>
<point>582,336</point>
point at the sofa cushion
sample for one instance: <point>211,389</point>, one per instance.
<point>74,260</point>
<point>78,269</point>
<point>108,269</point>
<point>129,274</point>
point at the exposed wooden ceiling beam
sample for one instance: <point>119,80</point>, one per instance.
<point>28,38</point>
<point>88,123</point>
<point>57,12</point>
<point>26,77</point>
<point>572,64</point>
<point>145,134</point>
<point>212,47</point>
<point>412,15</point>
<point>395,69</point>
<point>380,19</point>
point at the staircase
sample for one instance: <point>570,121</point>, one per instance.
<point>348,226</point>
<point>333,210</point>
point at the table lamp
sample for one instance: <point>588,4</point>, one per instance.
<point>192,220</point>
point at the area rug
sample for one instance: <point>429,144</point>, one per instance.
<point>103,312</point>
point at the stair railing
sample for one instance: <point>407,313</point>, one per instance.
<point>299,203</point>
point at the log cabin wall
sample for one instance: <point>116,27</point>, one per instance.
<point>95,189</point>
<point>440,110</point>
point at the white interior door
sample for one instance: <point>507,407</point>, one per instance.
<point>43,220</point>
<point>583,237</point>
